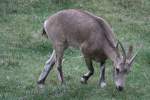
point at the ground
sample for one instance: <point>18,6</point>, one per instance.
<point>23,51</point>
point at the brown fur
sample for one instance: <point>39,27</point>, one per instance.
<point>92,35</point>
<point>83,30</point>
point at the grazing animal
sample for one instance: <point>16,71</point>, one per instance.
<point>94,37</point>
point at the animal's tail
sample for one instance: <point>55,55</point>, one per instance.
<point>44,33</point>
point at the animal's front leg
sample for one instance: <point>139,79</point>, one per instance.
<point>102,82</point>
<point>59,56</point>
<point>89,65</point>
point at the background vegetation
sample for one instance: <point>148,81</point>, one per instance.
<point>23,51</point>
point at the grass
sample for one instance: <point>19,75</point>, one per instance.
<point>23,51</point>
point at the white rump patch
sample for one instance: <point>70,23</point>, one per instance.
<point>45,24</point>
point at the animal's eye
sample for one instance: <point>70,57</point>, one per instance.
<point>117,70</point>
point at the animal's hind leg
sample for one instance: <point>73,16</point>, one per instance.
<point>89,65</point>
<point>48,66</point>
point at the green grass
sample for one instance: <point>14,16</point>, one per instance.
<point>23,51</point>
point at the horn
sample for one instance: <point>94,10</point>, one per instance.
<point>123,50</point>
<point>117,44</point>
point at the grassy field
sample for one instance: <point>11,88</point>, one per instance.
<point>23,51</point>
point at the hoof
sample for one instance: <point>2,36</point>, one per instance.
<point>40,82</point>
<point>41,86</point>
<point>119,88</point>
<point>83,81</point>
<point>103,84</point>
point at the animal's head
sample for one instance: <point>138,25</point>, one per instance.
<point>122,65</point>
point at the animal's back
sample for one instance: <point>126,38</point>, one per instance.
<point>75,27</point>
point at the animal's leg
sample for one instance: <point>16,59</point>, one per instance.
<point>48,66</point>
<point>89,65</point>
<point>59,57</point>
<point>102,82</point>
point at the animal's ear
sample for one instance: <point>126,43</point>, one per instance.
<point>130,51</point>
<point>117,49</point>
<point>131,59</point>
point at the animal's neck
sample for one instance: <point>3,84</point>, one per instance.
<point>110,52</point>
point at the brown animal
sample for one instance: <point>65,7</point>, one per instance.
<point>93,36</point>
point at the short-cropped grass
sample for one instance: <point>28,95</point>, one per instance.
<point>23,51</point>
